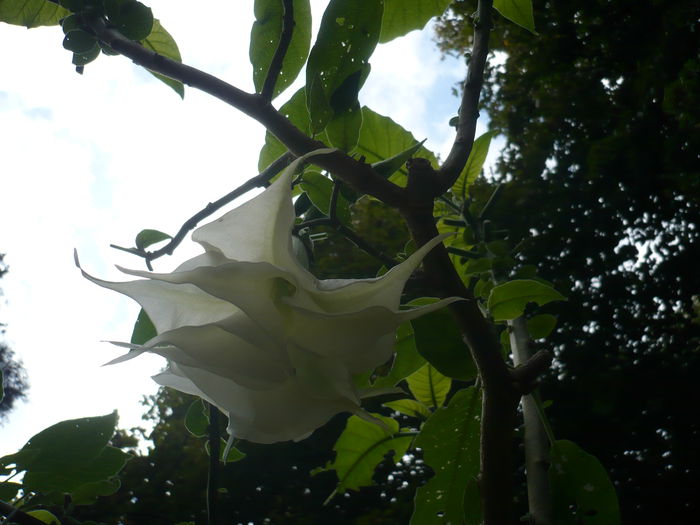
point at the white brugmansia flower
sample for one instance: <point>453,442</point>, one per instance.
<point>247,328</point>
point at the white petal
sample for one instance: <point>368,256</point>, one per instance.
<point>347,295</point>
<point>260,229</point>
<point>218,351</point>
<point>252,287</point>
<point>262,416</point>
<point>170,305</point>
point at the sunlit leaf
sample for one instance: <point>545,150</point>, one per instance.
<point>581,489</point>
<point>361,447</point>
<point>44,516</point>
<point>338,62</point>
<point>471,170</point>
<point>403,16</point>
<point>265,37</point>
<point>381,138</point>
<point>508,300</point>
<point>31,13</point>
<point>163,43</point>
<point>409,407</point>
<point>517,11</point>
<point>429,386</point>
<point>450,443</point>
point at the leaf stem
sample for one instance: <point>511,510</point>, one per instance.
<point>213,477</point>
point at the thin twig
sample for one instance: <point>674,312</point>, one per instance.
<point>469,109</point>
<point>275,68</point>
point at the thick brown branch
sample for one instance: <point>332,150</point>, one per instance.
<point>358,174</point>
<point>469,109</point>
<point>275,68</point>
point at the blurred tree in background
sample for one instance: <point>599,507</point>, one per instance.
<point>15,383</point>
<point>601,120</point>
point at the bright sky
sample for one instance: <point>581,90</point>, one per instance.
<point>88,161</point>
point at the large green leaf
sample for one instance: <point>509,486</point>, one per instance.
<point>163,43</point>
<point>440,342</point>
<point>403,16</point>
<point>197,419</point>
<point>381,138</point>
<point>88,493</point>
<point>265,37</point>
<point>450,443</point>
<point>518,11</point>
<point>31,13</point>
<point>361,447</point>
<point>343,130</point>
<point>581,489</point>
<point>471,170</point>
<point>540,326</point>
<point>295,110</point>
<point>429,386</point>
<point>508,300</point>
<point>69,454</point>
<point>406,358</point>
<point>409,407</point>
<point>338,62</point>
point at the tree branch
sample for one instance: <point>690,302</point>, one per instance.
<point>358,174</point>
<point>539,495</point>
<point>275,68</point>
<point>469,109</point>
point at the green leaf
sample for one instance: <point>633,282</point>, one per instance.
<point>517,11</point>
<point>233,455</point>
<point>475,162</point>
<point>265,37</point>
<point>429,386</point>
<point>381,138</point>
<point>31,13</point>
<point>409,407</point>
<point>338,62</point>
<point>79,41</point>
<point>146,238</point>
<point>450,443</point>
<point>540,326</point>
<point>440,342</point>
<point>388,167</point>
<point>69,454</point>
<point>88,493</point>
<point>143,329</point>
<point>80,59</point>
<point>319,190</point>
<point>508,300</point>
<point>132,19</point>
<point>160,41</point>
<point>581,489</point>
<point>343,130</point>
<point>196,419</point>
<point>406,358</point>
<point>44,516</point>
<point>403,16</point>
<point>8,490</point>
<point>295,111</point>
<point>361,447</point>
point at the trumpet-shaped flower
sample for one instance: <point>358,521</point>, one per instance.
<point>246,327</point>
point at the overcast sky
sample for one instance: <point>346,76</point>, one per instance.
<point>91,160</point>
